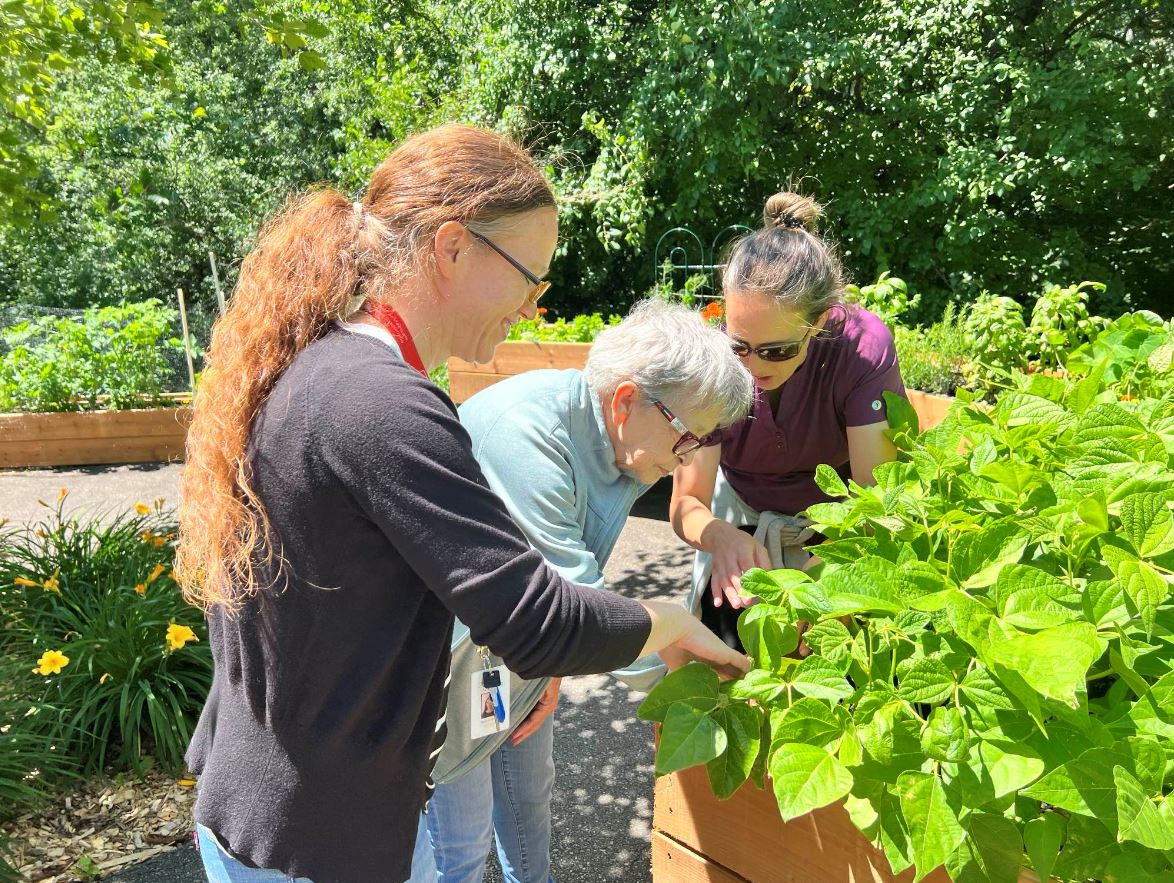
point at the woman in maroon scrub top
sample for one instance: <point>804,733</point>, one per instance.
<point>820,368</point>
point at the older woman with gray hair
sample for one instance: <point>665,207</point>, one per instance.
<point>569,452</point>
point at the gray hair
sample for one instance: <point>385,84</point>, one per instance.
<point>674,356</point>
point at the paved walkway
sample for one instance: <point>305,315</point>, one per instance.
<point>603,753</point>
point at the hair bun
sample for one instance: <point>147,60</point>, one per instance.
<point>791,210</point>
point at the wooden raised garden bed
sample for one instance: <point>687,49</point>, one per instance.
<point>515,356</point>
<point>511,357</point>
<point>90,437</point>
<point>697,837</point>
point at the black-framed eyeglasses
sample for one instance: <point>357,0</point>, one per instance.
<point>540,285</point>
<point>688,442</point>
<point>782,351</point>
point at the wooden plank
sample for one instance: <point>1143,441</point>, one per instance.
<point>516,356</point>
<point>746,836</point>
<point>673,862</point>
<point>82,452</point>
<point>462,385</point>
<point>94,424</point>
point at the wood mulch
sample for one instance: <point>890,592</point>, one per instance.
<point>101,827</point>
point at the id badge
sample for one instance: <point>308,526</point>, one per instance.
<point>489,695</point>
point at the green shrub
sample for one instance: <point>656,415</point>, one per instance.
<point>888,298</point>
<point>117,664</point>
<point>991,677</point>
<point>1060,322</point>
<point>1135,354</point>
<point>997,336</point>
<point>112,357</point>
<point>580,329</point>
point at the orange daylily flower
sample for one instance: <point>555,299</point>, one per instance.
<point>712,311</point>
<point>141,588</point>
<point>27,583</point>
<point>157,572</point>
<point>142,509</point>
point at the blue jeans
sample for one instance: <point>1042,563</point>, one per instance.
<point>507,795</point>
<point>223,868</point>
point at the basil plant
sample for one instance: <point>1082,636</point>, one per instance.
<point>990,683</point>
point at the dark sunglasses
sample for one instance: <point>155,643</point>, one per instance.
<point>771,352</point>
<point>688,442</point>
<point>540,285</point>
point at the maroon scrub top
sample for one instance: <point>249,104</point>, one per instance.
<point>770,459</point>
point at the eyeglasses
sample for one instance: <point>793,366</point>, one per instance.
<point>540,285</point>
<point>688,442</point>
<point>771,352</point>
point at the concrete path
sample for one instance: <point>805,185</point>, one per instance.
<point>603,753</point>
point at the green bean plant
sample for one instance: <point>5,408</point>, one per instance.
<point>990,682</point>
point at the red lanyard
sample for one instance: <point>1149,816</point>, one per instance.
<point>395,326</point>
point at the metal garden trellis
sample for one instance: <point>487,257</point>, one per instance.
<point>679,256</point>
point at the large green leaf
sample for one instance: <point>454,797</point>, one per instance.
<point>926,680</point>
<point>934,830</point>
<point>805,778</point>
<point>767,634</point>
<point>1030,598</point>
<point>743,728</point>
<point>992,853</point>
<point>821,679</point>
<point>773,586</point>
<point>808,720</point>
<point>1148,523</point>
<point>1143,585</point>
<point>945,735</point>
<point>688,737</point>
<point>1053,662</point>
<point>853,588</point>
<point>1084,785</point>
<point>1009,765</point>
<point>978,556</point>
<point>1043,836</point>
<point>830,639</point>
<point>1088,849</point>
<point>694,684</point>
<point>1139,817</point>
<point>759,685</point>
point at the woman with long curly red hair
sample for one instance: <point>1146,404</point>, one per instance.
<point>333,520</point>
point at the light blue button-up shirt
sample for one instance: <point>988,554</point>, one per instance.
<point>541,440</point>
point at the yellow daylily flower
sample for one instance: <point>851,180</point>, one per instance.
<point>141,588</point>
<point>51,663</point>
<point>51,584</point>
<point>142,509</point>
<point>157,572</point>
<point>178,635</point>
<point>105,677</point>
<point>28,583</point>
<point>62,494</point>
<point>147,536</point>
<point>185,783</point>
